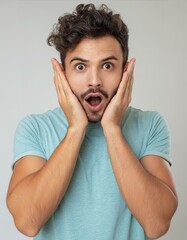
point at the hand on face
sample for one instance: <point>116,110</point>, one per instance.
<point>119,103</point>
<point>71,106</point>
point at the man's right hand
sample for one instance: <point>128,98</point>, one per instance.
<point>69,103</point>
<point>29,201</point>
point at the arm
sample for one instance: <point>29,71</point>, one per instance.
<point>145,185</point>
<point>35,190</point>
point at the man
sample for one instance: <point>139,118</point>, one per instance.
<point>94,168</point>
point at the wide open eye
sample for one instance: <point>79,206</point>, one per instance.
<point>80,67</point>
<point>107,66</point>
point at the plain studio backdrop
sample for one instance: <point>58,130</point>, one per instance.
<point>158,40</point>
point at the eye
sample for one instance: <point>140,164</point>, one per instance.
<point>80,67</point>
<point>107,66</point>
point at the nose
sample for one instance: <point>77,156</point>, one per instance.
<point>94,79</point>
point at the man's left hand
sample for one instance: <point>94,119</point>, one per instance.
<point>118,105</point>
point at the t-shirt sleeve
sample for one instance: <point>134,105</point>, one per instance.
<point>158,139</point>
<point>27,139</point>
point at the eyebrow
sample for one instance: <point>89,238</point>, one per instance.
<point>78,59</point>
<point>109,58</point>
<point>85,60</point>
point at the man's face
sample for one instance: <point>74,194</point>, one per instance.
<point>94,70</point>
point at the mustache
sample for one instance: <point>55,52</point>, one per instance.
<point>94,90</point>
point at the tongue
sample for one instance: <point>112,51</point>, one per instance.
<point>94,101</point>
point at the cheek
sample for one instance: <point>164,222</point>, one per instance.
<point>113,84</point>
<point>74,83</point>
<point>75,87</point>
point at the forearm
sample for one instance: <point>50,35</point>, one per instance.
<point>36,197</point>
<point>150,200</point>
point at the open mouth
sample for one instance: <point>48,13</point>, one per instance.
<point>94,101</point>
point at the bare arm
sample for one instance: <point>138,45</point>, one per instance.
<point>37,186</point>
<point>145,185</point>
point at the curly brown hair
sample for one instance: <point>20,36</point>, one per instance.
<point>88,22</point>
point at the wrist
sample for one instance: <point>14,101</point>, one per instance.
<point>78,125</point>
<point>112,129</point>
<point>77,131</point>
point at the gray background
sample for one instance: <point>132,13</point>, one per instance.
<point>158,39</point>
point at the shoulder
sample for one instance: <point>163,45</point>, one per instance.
<point>37,134</point>
<point>143,117</point>
<point>44,120</point>
<point>150,131</point>
<point>42,126</point>
<point>145,123</point>
<point>140,114</point>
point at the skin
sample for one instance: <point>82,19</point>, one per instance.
<point>99,70</point>
<point>148,180</point>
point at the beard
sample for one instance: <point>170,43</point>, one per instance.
<point>96,116</point>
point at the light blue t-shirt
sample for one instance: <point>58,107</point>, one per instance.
<point>92,207</point>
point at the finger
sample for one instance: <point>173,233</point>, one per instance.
<point>131,84</point>
<point>129,87</point>
<point>58,68</point>
<point>123,84</point>
<point>127,80</point>
<point>58,71</point>
<point>60,79</point>
<point>59,89</point>
<point>128,93</point>
<point>55,71</point>
<point>57,80</point>
<point>129,67</point>
<point>54,64</point>
<point>130,73</point>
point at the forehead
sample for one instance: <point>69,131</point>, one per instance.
<point>96,49</point>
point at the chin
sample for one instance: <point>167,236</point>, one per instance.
<point>94,117</point>
<point>94,120</point>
